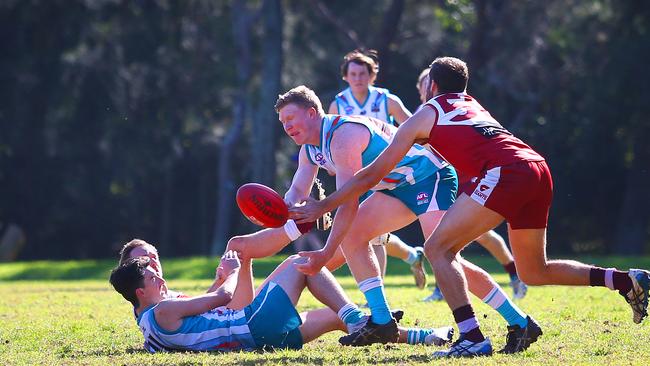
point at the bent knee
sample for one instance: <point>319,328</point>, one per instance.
<point>533,277</point>
<point>236,243</point>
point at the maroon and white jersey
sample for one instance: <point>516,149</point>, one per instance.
<point>470,139</point>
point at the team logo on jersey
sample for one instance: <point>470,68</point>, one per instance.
<point>375,107</point>
<point>320,159</point>
<point>349,109</point>
<point>422,198</point>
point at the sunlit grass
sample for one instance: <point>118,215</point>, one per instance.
<point>66,313</point>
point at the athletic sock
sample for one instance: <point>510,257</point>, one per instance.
<point>350,314</point>
<point>498,300</point>
<point>512,270</point>
<point>417,335</point>
<point>413,254</point>
<point>468,324</point>
<point>611,278</point>
<point>373,290</point>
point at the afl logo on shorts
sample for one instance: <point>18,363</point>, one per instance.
<point>422,198</point>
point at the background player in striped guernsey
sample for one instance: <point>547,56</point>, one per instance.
<point>202,323</point>
<point>359,69</point>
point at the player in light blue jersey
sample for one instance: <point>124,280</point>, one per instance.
<point>269,320</point>
<point>359,69</point>
<point>421,186</point>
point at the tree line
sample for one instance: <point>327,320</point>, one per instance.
<point>126,119</point>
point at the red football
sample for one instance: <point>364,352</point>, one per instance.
<point>262,205</point>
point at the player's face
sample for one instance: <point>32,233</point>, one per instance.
<point>358,77</point>
<point>296,123</point>
<point>154,285</point>
<point>152,253</point>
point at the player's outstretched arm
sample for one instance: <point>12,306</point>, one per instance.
<point>170,313</point>
<point>416,128</point>
<point>348,143</point>
<point>303,179</point>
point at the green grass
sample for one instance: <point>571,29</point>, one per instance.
<point>66,313</point>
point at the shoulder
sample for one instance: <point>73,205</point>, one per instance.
<point>350,135</point>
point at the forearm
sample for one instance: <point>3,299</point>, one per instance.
<point>355,187</point>
<point>229,284</point>
<point>342,222</point>
<point>245,291</point>
<point>215,285</point>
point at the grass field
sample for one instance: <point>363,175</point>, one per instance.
<point>67,313</point>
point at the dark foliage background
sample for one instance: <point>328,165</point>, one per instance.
<point>123,119</point>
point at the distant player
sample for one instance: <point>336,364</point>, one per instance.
<point>491,240</point>
<point>420,186</point>
<point>269,320</point>
<point>514,184</point>
<point>359,69</point>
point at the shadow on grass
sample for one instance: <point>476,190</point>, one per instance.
<point>202,268</point>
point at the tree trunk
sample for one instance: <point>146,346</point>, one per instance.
<point>386,35</point>
<point>265,124</point>
<point>634,217</point>
<point>241,20</point>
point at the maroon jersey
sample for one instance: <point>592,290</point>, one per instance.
<point>470,139</point>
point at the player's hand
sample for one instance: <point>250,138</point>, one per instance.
<point>315,260</point>
<point>229,263</point>
<point>310,211</point>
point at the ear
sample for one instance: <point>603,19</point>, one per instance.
<point>433,89</point>
<point>139,292</point>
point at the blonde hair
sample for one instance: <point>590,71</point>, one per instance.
<point>302,96</point>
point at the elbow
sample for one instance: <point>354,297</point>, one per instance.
<point>226,295</point>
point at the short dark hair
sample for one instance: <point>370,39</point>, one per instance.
<point>367,58</point>
<point>128,277</point>
<point>125,252</point>
<point>302,96</point>
<point>450,74</point>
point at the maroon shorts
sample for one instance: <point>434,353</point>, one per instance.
<point>520,192</point>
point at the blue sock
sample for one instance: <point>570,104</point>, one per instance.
<point>498,300</point>
<point>350,314</point>
<point>373,290</point>
<point>417,335</point>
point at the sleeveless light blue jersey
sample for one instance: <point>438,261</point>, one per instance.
<point>375,105</point>
<point>418,163</point>
<point>220,329</point>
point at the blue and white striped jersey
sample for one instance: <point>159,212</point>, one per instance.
<point>220,329</point>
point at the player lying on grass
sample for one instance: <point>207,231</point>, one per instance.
<point>269,320</point>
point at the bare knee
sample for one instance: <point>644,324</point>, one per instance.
<point>236,243</point>
<point>532,276</point>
